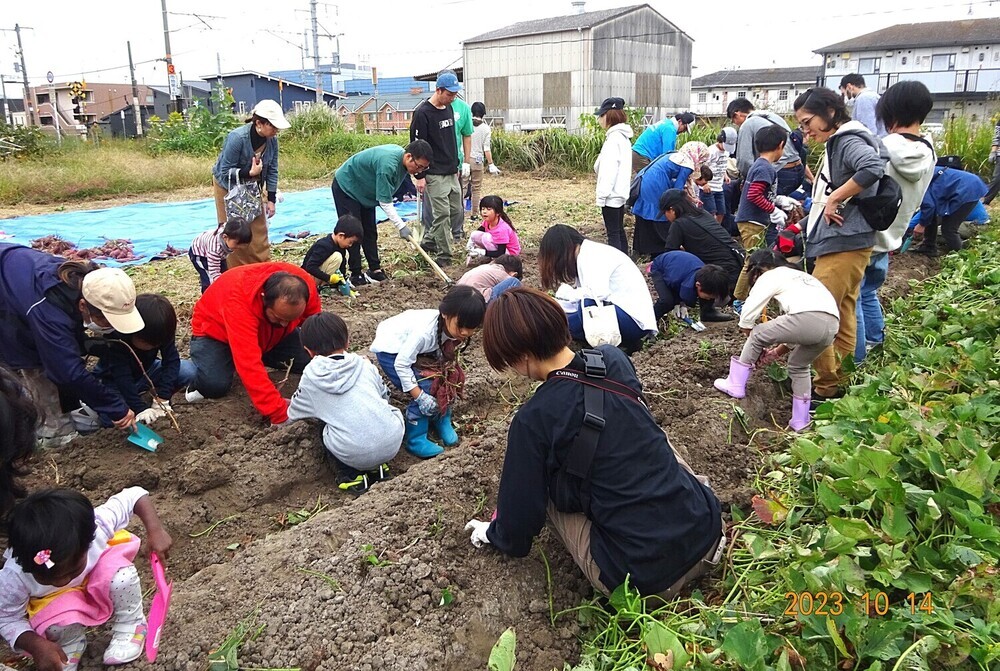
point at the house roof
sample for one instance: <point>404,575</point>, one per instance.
<point>555,24</point>
<point>807,74</point>
<point>432,76</point>
<point>402,102</point>
<point>270,78</point>
<point>937,33</point>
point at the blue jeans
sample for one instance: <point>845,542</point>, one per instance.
<point>214,362</point>
<point>387,362</point>
<point>510,283</point>
<point>185,377</point>
<point>631,333</point>
<point>871,321</point>
<point>790,179</point>
<point>715,202</point>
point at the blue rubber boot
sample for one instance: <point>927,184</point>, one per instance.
<point>445,430</point>
<point>417,443</point>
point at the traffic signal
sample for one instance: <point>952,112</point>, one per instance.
<point>76,111</point>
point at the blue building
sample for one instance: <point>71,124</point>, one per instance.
<point>387,86</point>
<point>332,81</point>
<point>250,87</point>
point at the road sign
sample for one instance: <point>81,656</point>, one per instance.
<point>51,77</point>
<point>170,69</point>
<point>174,85</point>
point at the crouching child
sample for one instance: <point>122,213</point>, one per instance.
<point>336,385</point>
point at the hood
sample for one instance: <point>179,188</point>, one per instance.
<point>910,159</point>
<point>335,374</point>
<point>852,125</point>
<point>621,128</point>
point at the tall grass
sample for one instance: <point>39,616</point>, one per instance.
<point>970,140</point>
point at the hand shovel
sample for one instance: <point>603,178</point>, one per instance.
<point>145,437</point>
<point>158,609</point>
<point>696,325</point>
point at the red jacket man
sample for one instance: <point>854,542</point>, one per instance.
<point>247,319</point>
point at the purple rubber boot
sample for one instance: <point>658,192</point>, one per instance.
<point>800,413</point>
<point>736,384</point>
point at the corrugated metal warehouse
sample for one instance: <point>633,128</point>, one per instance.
<point>547,72</point>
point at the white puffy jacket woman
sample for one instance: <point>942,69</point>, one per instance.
<point>614,170</point>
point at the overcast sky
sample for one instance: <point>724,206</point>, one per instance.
<point>403,37</point>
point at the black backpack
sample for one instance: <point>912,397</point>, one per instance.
<point>635,186</point>
<point>881,209</point>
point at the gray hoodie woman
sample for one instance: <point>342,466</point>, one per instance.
<point>346,392</point>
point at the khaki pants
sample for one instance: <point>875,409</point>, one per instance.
<point>841,274</point>
<point>259,249</point>
<point>477,186</point>
<point>332,264</point>
<point>573,530</point>
<point>751,235</point>
<point>639,161</point>
<point>443,192</point>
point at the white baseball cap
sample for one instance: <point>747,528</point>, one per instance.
<point>111,291</point>
<point>270,110</point>
<point>730,142</point>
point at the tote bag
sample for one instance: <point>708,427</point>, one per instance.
<point>243,200</point>
<point>600,324</point>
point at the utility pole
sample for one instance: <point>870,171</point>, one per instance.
<point>172,85</point>
<point>135,93</point>
<point>8,116</point>
<point>318,76</point>
<point>304,54</point>
<point>31,113</point>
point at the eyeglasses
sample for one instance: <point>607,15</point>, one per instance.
<point>420,166</point>
<point>804,124</point>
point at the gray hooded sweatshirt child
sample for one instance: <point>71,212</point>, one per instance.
<point>347,393</point>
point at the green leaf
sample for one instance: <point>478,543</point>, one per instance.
<point>658,638</point>
<point>879,460</point>
<point>858,530</point>
<point>831,628</point>
<point>895,523</point>
<point>502,656</point>
<point>881,639</point>
<point>746,645</point>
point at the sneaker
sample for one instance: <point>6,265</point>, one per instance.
<point>193,396</point>
<point>377,276</point>
<point>359,280</point>
<point>738,306</point>
<point>379,474</point>
<point>126,645</point>
<point>358,485</point>
<point>443,261</point>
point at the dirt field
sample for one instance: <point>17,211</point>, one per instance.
<point>361,584</point>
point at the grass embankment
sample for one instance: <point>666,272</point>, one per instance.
<point>875,539</point>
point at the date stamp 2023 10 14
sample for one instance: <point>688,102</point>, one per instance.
<point>869,604</point>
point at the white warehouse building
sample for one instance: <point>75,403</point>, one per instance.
<point>548,72</point>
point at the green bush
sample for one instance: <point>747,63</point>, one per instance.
<point>314,122</point>
<point>552,146</point>
<point>201,133</point>
<point>24,142</point>
<point>971,141</point>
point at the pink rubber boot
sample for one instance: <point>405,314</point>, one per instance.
<point>800,413</point>
<point>736,384</point>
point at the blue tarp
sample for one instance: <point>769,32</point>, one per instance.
<point>152,226</point>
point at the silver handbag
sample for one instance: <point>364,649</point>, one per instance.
<point>244,200</point>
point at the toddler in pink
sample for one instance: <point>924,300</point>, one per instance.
<point>496,236</point>
<point>69,566</point>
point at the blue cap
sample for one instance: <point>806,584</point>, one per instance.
<point>448,80</point>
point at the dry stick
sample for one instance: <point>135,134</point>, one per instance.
<point>288,372</point>
<point>152,388</point>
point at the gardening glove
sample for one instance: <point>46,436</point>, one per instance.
<point>993,155</point>
<point>466,170</point>
<point>493,169</point>
<point>785,202</point>
<point>406,233</point>
<point>680,312</point>
<point>336,278</point>
<point>427,404</point>
<point>150,415</point>
<point>778,217</point>
<point>478,530</point>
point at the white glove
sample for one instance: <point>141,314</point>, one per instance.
<point>150,415</point>
<point>680,312</point>
<point>778,217</point>
<point>785,202</point>
<point>493,169</point>
<point>466,170</point>
<point>478,530</point>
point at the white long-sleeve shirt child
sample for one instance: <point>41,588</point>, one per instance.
<point>408,335</point>
<point>18,587</point>
<point>795,292</point>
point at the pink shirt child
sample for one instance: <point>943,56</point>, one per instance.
<point>503,234</point>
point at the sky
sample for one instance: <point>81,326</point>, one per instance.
<point>77,40</point>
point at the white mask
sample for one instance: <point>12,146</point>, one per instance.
<point>100,330</point>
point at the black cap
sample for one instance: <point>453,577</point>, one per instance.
<point>610,104</point>
<point>671,197</point>
<point>686,118</point>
